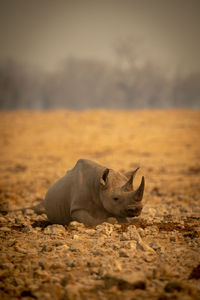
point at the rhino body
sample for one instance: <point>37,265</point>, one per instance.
<point>90,193</point>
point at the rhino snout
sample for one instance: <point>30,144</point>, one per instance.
<point>133,211</point>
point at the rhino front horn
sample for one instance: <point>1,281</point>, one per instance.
<point>138,194</point>
<point>128,186</point>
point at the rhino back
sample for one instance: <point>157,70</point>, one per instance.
<point>86,176</point>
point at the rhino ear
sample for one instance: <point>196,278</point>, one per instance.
<point>104,177</point>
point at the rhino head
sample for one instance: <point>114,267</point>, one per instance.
<point>118,195</point>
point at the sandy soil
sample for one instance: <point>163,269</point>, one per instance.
<point>156,257</point>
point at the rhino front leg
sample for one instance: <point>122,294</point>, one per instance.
<point>121,220</point>
<point>83,216</point>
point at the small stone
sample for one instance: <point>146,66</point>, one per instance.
<point>67,279</point>
<point>99,241</point>
<point>30,212</point>
<point>91,232</point>
<point>117,226</point>
<point>144,247</point>
<point>148,257</point>
<point>11,242</point>
<point>72,292</point>
<point>3,220</point>
<point>47,248</point>
<point>133,281</point>
<point>98,252</point>
<point>173,238</point>
<point>75,237</point>
<point>105,228</point>
<point>155,245</point>
<point>4,273</point>
<point>112,220</point>
<point>123,253</point>
<point>151,212</point>
<point>124,237</point>
<point>20,250</point>
<point>58,265</point>
<point>63,248</point>
<point>55,229</point>
<point>76,246</point>
<point>115,246</point>
<point>173,286</point>
<point>115,265</point>
<point>141,232</point>
<point>58,243</point>
<point>76,225</point>
<point>129,245</point>
<point>11,220</point>
<point>5,229</point>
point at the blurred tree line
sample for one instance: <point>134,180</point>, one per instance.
<point>81,84</point>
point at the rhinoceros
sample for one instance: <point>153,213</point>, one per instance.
<point>91,193</point>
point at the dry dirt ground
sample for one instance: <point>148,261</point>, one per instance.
<point>156,257</point>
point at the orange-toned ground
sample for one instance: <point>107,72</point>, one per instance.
<point>36,148</point>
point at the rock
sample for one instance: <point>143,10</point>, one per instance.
<point>148,257</point>
<point>73,292</point>
<point>105,228</point>
<point>76,225</point>
<point>173,238</point>
<point>20,250</point>
<point>77,246</point>
<point>152,230</point>
<point>116,245</point>
<point>75,237</point>
<point>112,220</point>
<point>19,219</point>
<point>47,248</point>
<point>99,242</point>
<point>124,236</point>
<point>123,253</point>
<point>155,245</point>
<point>144,247</point>
<point>90,232</point>
<point>5,229</point>
<point>132,281</point>
<point>4,273</point>
<point>129,245</point>
<point>98,251</point>
<point>55,229</point>
<point>57,265</point>
<point>69,278</point>
<point>58,243</point>
<point>114,265</point>
<point>11,242</point>
<point>141,232</point>
<point>30,212</point>
<point>63,248</point>
<point>173,286</point>
<point>3,220</point>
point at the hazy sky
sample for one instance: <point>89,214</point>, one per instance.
<point>44,32</point>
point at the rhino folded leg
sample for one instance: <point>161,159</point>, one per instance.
<point>83,216</point>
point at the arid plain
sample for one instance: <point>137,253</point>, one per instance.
<point>156,257</point>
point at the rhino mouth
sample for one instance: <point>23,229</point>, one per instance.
<point>133,212</point>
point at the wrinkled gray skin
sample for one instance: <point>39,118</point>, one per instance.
<point>91,193</point>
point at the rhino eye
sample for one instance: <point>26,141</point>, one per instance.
<point>115,198</point>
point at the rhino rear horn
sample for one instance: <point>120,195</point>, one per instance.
<point>138,194</point>
<point>103,179</point>
<point>129,184</point>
